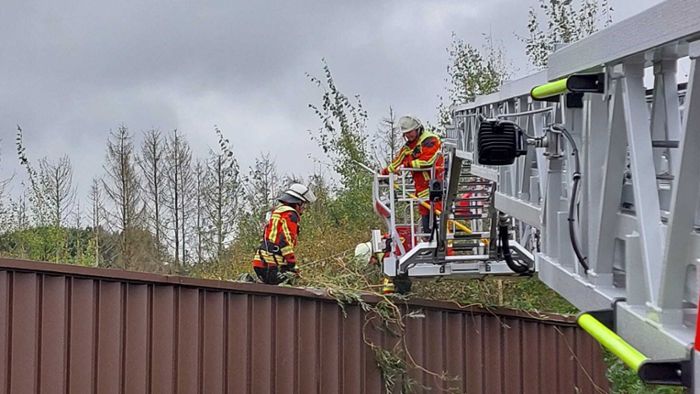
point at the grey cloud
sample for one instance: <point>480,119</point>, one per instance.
<point>71,71</point>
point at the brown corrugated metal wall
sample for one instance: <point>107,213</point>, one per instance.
<point>69,329</point>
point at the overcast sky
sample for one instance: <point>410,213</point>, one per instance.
<point>71,71</point>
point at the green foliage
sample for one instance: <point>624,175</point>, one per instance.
<point>35,192</point>
<point>471,72</point>
<point>392,364</point>
<point>565,23</point>
<point>342,135</point>
<point>474,72</point>
<point>527,294</point>
<point>49,243</point>
<point>344,139</point>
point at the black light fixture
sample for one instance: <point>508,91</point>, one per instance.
<point>500,142</point>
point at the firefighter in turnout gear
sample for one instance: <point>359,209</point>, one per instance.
<point>421,152</point>
<point>275,256</point>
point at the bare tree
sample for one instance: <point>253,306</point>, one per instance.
<point>20,218</point>
<point>388,139</point>
<point>57,189</point>
<point>264,185</point>
<point>97,216</point>
<point>5,207</point>
<point>187,190</point>
<point>200,220</point>
<point>124,192</point>
<point>51,191</point>
<point>151,162</point>
<point>180,191</point>
<point>223,199</point>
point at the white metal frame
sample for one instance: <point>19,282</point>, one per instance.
<point>421,258</point>
<point>632,226</point>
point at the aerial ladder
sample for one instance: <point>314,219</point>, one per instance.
<point>582,175</point>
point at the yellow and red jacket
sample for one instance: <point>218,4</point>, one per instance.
<point>279,239</point>
<point>423,152</point>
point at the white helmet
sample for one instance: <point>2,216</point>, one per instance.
<point>297,193</point>
<point>363,252</point>
<point>409,123</point>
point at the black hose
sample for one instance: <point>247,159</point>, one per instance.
<point>572,228</point>
<point>572,199</point>
<point>507,256</point>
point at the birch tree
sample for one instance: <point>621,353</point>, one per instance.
<point>343,132</point>
<point>344,139</point>
<point>34,185</point>
<point>566,21</point>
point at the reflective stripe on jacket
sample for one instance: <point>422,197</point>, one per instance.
<point>279,239</point>
<point>423,153</point>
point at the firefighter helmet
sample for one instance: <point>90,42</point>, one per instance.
<point>409,123</point>
<point>296,194</point>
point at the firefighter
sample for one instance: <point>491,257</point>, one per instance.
<point>275,257</point>
<point>421,151</point>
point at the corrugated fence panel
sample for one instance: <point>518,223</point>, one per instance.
<point>53,333</point>
<point>513,363</point>
<point>81,330</point>
<point>24,334</point>
<point>109,338</point>
<point>136,339</point>
<point>162,363</point>
<point>239,348</point>
<point>187,340</point>
<point>354,348</point>
<point>213,342</point>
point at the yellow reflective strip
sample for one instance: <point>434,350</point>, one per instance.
<point>424,193</point>
<point>268,257</point>
<point>273,231</point>
<point>281,209</point>
<point>287,250</point>
<point>398,160</point>
<point>287,233</point>
<point>421,163</point>
<point>426,175</point>
<point>430,161</point>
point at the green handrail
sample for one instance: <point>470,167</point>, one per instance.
<point>611,341</point>
<point>549,89</point>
